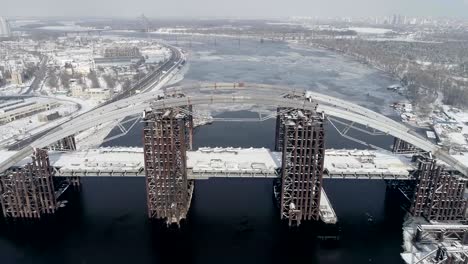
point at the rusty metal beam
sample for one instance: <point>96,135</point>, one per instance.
<point>438,195</point>
<point>29,192</point>
<point>167,136</point>
<point>403,147</point>
<point>65,144</point>
<point>300,135</point>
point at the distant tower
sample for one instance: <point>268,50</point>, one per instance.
<point>394,19</point>
<point>5,30</point>
<point>145,23</point>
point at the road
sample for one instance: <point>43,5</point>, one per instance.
<point>251,95</point>
<point>150,79</point>
<point>144,85</point>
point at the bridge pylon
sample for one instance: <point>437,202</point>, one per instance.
<point>300,136</point>
<point>439,195</point>
<point>167,136</point>
<point>29,192</point>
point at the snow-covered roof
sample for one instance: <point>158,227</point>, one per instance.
<point>362,162</point>
<point>233,160</point>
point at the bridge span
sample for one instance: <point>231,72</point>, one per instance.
<point>253,94</point>
<point>299,160</point>
<point>206,163</point>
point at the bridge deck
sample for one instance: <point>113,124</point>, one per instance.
<point>231,162</point>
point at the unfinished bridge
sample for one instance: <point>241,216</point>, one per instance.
<point>435,185</point>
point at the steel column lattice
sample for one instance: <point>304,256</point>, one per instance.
<point>65,144</point>
<point>29,192</point>
<point>300,136</point>
<point>438,196</point>
<point>403,147</point>
<point>167,136</point>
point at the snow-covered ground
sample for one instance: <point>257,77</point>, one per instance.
<point>24,127</point>
<point>370,30</point>
<point>95,136</point>
<point>451,126</point>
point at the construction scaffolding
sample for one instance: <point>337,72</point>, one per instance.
<point>167,137</point>
<point>439,195</point>
<point>439,244</point>
<point>65,144</point>
<point>28,192</point>
<point>403,147</point>
<point>300,136</point>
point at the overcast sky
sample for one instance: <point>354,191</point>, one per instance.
<point>233,8</point>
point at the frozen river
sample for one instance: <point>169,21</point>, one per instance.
<point>231,221</point>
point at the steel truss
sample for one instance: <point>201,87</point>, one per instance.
<point>300,136</point>
<point>440,233</point>
<point>347,126</point>
<point>65,144</point>
<point>451,241</point>
<point>124,126</point>
<point>167,136</point>
<point>28,192</point>
<point>439,195</point>
<point>403,147</point>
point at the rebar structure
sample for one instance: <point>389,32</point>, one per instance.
<point>439,195</point>
<point>167,136</point>
<point>300,136</point>
<point>28,192</point>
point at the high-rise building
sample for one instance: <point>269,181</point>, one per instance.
<point>4,28</point>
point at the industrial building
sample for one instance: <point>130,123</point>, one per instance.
<point>11,110</point>
<point>119,52</point>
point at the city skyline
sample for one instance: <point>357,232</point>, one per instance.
<point>256,9</point>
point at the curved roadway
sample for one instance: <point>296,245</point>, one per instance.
<point>248,95</point>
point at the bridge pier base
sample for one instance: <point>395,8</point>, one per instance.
<point>300,136</point>
<point>29,192</point>
<point>438,195</point>
<point>167,136</point>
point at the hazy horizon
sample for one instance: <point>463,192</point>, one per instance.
<point>234,9</point>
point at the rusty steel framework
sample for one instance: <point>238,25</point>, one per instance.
<point>403,147</point>
<point>300,136</point>
<point>167,136</point>
<point>65,144</point>
<point>438,195</point>
<point>28,192</point>
<point>450,242</point>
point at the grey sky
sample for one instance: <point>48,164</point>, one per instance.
<point>233,8</point>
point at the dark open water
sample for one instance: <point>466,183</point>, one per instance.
<point>231,221</point>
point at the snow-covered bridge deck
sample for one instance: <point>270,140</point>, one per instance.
<point>231,162</point>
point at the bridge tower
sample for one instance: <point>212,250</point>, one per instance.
<point>167,136</point>
<point>300,136</point>
<point>29,192</point>
<point>439,195</point>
